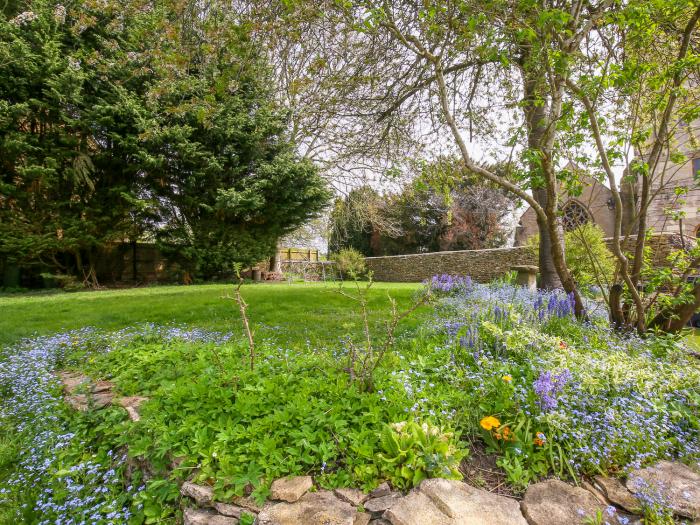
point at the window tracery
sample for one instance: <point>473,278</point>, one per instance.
<point>574,215</point>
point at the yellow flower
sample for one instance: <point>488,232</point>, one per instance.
<point>489,422</point>
<point>507,378</point>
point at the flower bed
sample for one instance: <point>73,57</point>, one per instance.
<point>546,393</point>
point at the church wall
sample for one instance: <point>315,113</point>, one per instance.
<point>667,202</point>
<point>667,177</point>
<point>595,198</point>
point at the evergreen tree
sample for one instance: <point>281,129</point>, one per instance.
<point>66,129</point>
<point>226,179</point>
<point>117,123</point>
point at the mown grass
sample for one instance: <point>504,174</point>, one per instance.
<point>291,313</point>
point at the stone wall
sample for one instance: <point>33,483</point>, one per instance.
<point>484,265</point>
<point>480,265</point>
<point>662,245</point>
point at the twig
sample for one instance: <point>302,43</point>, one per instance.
<point>243,307</point>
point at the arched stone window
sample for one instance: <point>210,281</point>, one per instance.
<point>574,214</point>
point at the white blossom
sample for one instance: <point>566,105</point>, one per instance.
<point>59,14</point>
<point>24,18</point>
<point>74,63</point>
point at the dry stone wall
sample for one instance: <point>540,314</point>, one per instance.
<point>486,265</point>
<point>480,265</point>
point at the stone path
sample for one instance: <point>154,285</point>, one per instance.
<point>296,501</point>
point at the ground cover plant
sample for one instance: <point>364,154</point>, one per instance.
<point>546,393</point>
<point>554,394</point>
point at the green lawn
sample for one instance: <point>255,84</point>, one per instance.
<point>288,312</point>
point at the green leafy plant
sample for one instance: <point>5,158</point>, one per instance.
<point>598,519</point>
<point>414,452</point>
<point>246,519</point>
<point>587,255</point>
<point>350,263</point>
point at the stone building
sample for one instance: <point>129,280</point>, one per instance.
<point>675,208</point>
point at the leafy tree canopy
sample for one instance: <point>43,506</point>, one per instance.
<point>443,208</point>
<point>121,122</point>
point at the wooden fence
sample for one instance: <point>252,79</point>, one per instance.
<point>298,254</point>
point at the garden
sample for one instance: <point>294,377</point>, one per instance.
<point>473,372</point>
<point>163,362</point>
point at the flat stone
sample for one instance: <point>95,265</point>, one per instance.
<point>677,483</point>
<point>353,496</point>
<point>465,504</point>
<point>617,493</point>
<point>204,517</point>
<point>525,268</point>
<point>598,493</point>
<point>361,518</point>
<point>82,394</point>
<point>133,414</point>
<point>85,402</point>
<point>101,386</point>
<point>554,502</point>
<point>101,399</point>
<point>131,405</point>
<point>247,503</point>
<point>227,509</point>
<point>380,521</point>
<point>72,380</point>
<point>291,488</point>
<point>78,402</point>
<point>314,508</point>
<point>416,509</point>
<point>382,490</point>
<point>203,495</point>
<point>130,401</point>
<point>382,503</point>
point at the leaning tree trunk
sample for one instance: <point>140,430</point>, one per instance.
<point>674,320</point>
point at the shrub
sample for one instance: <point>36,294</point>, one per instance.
<point>350,263</point>
<point>67,282</point>
<point>590,261</point>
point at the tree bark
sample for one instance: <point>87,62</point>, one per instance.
<point>617,316</point>
<point>536,122</point>
<point>676,319</point>
<point>275,262</point>
<point>549,278</point>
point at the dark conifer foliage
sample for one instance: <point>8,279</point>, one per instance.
<point>127,122</point>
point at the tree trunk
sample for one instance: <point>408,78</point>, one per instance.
<point>676,319</point>
<point>617,316</point>
<point>92,272</point>
<point>535,118</point>
<point>549,278</point>
<point>276,262</point>
<point>541,119</point>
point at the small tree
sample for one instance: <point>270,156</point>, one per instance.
<point>590,260</point>
<point>350,263</point>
